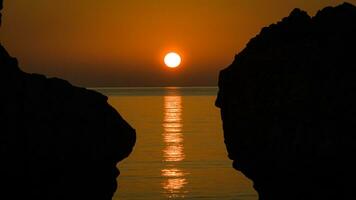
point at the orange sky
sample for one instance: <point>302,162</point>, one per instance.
<point>123,42</point>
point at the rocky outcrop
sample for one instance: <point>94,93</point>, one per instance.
<point>288,106</point>
<point>57,141</point>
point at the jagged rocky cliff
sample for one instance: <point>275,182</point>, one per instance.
<point>57,141</point>
<point>288,106</point>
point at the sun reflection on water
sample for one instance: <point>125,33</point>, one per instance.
<point>173,153</point>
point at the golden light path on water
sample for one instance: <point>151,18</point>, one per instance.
<point>173,152</point>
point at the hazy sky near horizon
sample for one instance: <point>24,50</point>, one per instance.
<point>122,43</point>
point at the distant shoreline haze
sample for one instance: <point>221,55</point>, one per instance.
<point>123,43</point>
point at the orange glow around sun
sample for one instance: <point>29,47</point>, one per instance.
<point>172,60</point>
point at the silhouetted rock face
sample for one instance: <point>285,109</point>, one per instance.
<point>288,106</point>
<point>57,141</point>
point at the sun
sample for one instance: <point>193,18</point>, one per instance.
<point>172,60</point>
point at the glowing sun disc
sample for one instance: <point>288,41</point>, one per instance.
<point>172,60</point>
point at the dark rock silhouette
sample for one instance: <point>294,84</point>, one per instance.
<point>57,141</point>
<point>288,106</point>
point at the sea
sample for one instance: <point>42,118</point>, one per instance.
<point>180,151</point>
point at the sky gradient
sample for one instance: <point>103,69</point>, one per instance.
<point>122,43</point>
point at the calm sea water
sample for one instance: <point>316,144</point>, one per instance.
<point>180,153</point>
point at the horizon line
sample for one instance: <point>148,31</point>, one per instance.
<point>137,87</point>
